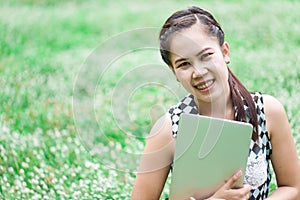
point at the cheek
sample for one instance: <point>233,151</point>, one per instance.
<point>184,78</point>
<point>181,77</point>
<point>224,70</point>
<point>219,68</point>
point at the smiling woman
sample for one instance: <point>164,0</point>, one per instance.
<point>203,58</point>
<point>41,154</point>
<point>192,44</point>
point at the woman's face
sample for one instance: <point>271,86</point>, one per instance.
<point>199,63</point>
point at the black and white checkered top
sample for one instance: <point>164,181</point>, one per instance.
<point>258,170</point>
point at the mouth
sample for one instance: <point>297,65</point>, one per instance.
<point>205,86</point>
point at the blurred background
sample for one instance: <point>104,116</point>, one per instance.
<point>51,148</point>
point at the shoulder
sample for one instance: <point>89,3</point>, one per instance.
<point>273,106</point>
<point>160,146</point>
<point>276,117</point>
<point>161,129</point>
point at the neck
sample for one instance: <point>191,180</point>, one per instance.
<point>219,109</point>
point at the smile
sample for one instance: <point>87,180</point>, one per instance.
<point>205,86</point>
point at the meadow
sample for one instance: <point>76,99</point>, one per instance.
<point>82,82</point>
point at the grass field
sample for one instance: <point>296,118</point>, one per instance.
<point>73,122</point>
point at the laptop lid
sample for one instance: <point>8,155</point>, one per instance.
<point>208,151</point>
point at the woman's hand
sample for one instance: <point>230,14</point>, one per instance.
<point>228,192</point>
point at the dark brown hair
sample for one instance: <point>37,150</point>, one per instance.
<point>185,19</point>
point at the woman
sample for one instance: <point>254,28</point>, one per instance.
<point>192,45</point>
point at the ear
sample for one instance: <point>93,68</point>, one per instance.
<point>226,52</point>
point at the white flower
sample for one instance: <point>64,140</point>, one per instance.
<point>37,196</point>
<point>24,184</point>
<point>27,159</point>
<point>5,129</point>
<point>77,193</point>
<point>73,185</point>
<point>11,170</point>
<point>53,149</point>
<point>25,165</point>
<point>36,142</point>
<point>21,171</point>
<point>34,181</point>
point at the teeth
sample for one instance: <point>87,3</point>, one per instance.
<point>207,84</point>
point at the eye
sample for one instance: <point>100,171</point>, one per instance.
<point>206,55</point>
<point>183,64</point>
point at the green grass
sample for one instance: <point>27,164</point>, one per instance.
<point>43,46</point>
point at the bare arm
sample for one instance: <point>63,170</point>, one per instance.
<point>155,162</point>
<point>284,155</point>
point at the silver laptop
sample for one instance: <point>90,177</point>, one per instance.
<point>208,151</point>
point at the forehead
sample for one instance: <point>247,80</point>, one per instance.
<point>190,41</point>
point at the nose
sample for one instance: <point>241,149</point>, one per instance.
<point>199,71</point>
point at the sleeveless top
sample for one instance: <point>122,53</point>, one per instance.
<point>258,173</point>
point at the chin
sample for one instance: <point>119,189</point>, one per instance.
<point>210,97</point>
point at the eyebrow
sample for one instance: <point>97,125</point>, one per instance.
<point>199,53</point>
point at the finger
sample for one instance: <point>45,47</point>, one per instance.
<point>233,179</point>
<point>248,187</point>
<point>242,193</point>
<point>246,191</point>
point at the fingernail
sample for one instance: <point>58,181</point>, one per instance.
<point>192,198</point>
<point>239,173</point>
